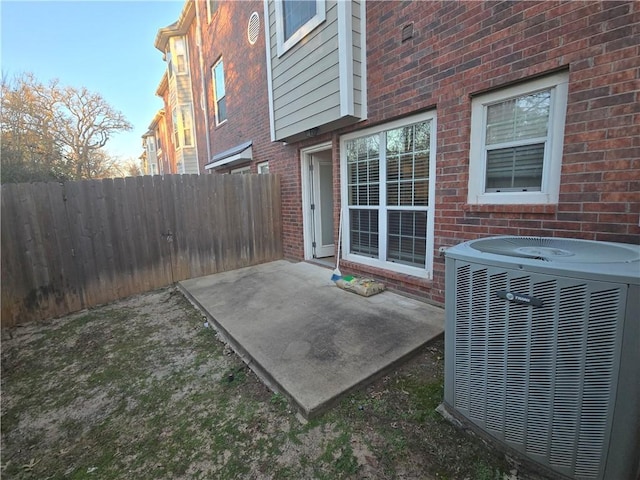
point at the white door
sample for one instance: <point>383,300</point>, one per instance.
<point>321,204</point>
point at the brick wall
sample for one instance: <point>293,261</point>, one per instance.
<point>463,48</point>
<point>460,49</point>
<point>245,81</point>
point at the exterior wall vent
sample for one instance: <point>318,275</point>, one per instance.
<point>253,30</point>
<point>542,350</point>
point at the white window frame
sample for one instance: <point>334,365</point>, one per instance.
<point>284,45</point>
<point>177,139</point>
<point>215,96</point>
<point>263,167</point>
<point>382,262</point>
<point>179,49</point>
<point>186,114</point>
<point>552,163</point>
<point>241,170</point>
<point>178,115</point>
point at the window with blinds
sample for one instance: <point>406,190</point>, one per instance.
<point>516,136</point>
<point>516,142</point>
<point>389,182</point>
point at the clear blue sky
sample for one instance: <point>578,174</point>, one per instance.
<point>105,46</point>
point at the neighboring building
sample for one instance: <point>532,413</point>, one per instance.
<point>156,161</point>
<point>234,79</point>
<point>173,41</point>
<point>425,123</point>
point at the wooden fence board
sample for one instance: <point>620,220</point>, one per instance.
<point>79,244</point>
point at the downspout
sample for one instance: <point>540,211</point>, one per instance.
<point>203,98</point>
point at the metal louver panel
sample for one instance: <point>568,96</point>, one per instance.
<point>598,380</point>
<point>540,379</point>
<point>463,328</point>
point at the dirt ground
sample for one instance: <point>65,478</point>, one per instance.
<point>143,388</point>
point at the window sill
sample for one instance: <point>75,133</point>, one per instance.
<point>389,267</point>
<point>545,209</point>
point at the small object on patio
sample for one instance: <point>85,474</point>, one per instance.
<point>362,286</point>
<point>206,324</point>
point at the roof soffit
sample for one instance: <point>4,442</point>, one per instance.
<point>178,28</point>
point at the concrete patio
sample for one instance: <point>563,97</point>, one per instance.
<point>305,337</point>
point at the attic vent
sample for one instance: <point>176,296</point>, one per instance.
<point>254,28</point>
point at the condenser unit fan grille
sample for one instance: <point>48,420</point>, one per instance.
<point>562,250</point>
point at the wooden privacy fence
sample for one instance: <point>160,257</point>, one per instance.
<point>75,245</point>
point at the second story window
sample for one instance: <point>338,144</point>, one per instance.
<point>182,126</point>
<point>295,13</point>
<point>176,130</point>
<point>187,135</point>
<point>170,63</point>
<point>179,55</point>
<point>219,94</point>
<point>295,19</point>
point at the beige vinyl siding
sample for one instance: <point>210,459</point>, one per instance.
<point>306,87</point>
<point>306,80</point>
<point>324,92</point>
<point>191,161</point>
<point>356,28</point>
<point>183,86</point>
<point>188,158</point>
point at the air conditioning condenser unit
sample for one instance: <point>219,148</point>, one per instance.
<point>542,350</point>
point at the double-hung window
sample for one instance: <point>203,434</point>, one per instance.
<point>186,123</point>
<point>295,19</point>
<point>516,143</point>
<point>176,129</point>
<point>388,181</point>
<point>219,94</point>
<point>182,126</point>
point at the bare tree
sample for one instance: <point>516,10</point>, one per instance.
<point>66,127</point>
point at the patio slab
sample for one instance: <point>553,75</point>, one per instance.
<point>307,338</point>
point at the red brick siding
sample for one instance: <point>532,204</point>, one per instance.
<point>464,48</point>
<point>460,49</point>
<point>245,81</point>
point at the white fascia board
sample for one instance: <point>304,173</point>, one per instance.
<point>345,58</point>
<point>363,59</point>
<point>267,43</point>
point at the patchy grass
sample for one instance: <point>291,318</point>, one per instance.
<point>142,389</point>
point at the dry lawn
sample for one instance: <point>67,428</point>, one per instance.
<point>143,389</point>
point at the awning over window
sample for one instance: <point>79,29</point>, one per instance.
<point>238,154</point>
